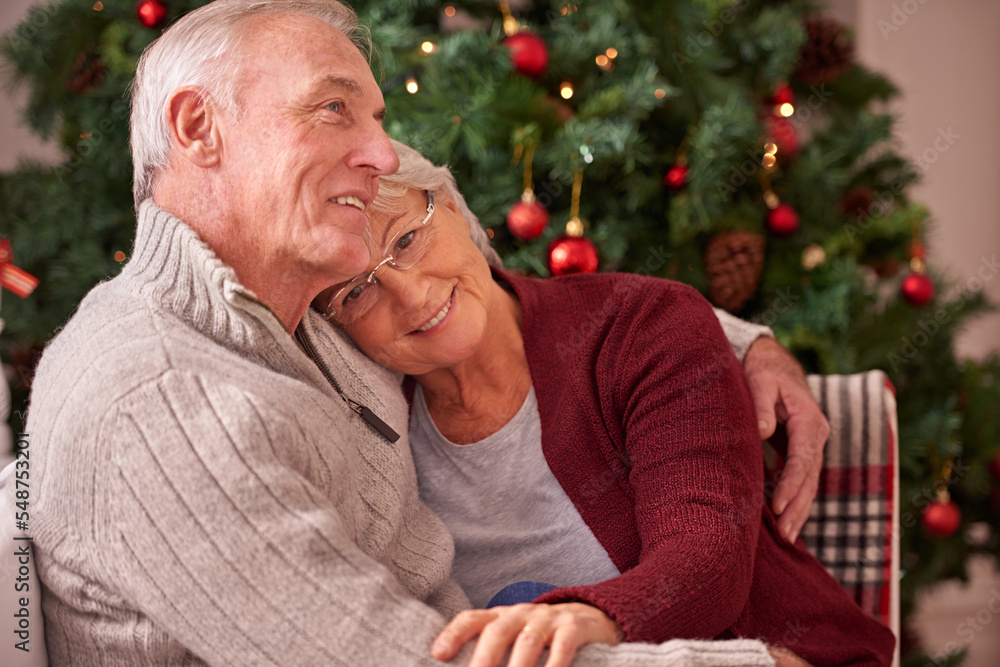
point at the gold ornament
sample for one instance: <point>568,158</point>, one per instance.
<point>813,256</point>
<point>575,225</point>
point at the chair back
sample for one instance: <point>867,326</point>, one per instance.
<point>851,528</point>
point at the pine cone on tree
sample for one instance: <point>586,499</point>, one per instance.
<point>88,71</point>
<point>827,53</point>
<point>734,262</point>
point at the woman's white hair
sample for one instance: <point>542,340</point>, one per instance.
<point>203,49</point>
<point>418,173</point>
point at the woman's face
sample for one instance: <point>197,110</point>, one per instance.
<point>434,314</point>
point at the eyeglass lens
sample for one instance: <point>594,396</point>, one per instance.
<point>407,247</point>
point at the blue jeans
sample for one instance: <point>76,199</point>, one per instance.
<point>519,591</point>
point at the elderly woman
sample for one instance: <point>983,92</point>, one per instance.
<point>593,432</point>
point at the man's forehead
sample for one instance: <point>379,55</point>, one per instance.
<point>303,69</point>
<point>336,83</point>
<point>306,42</point>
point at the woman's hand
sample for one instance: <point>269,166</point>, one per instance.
<point>527,629</point>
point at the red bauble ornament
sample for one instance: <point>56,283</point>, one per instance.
<point>941,519</point>
<point>782,220</point>
<point>917,289</point>
<point>784,135</point>
<point>528,53</point>
<point>527,219</point>
<point>782,94</point>
<point>676,177</point>
<point>151,13</point>
<point>572,254</point>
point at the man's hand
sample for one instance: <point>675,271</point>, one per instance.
<point>780,393</point>
<point>526,629</point>
<point>785,658</point>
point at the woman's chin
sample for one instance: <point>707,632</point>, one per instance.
<point>445,353</point>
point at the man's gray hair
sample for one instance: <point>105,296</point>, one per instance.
<point>203,49</point>
<point>418,173</point>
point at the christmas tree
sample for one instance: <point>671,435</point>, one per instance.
<point>734,146</point>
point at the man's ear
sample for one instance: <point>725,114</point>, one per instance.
<point>194,126</point>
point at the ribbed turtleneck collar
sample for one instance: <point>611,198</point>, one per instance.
<point>172,266</point>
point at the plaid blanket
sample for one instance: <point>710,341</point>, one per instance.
<point>850,528</point>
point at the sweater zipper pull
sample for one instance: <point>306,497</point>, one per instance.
<point>373,420</point>
<point>364,412</point>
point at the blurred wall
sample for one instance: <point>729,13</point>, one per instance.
<point>15,140</point>
<point>944,55</point>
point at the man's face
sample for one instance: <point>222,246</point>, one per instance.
<point>302,162</point>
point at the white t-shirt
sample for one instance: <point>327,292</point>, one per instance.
<point>510,518</point>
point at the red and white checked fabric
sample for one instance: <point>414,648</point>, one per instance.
<point>851,526</point>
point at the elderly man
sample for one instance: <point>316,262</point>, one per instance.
<point>218,477</point>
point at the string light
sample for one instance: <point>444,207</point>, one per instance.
<point>612,53</point>
<point>427,47</point>
<point>769,160</point>
<point>566,90</point>
<point>786,109</point>
<point>604,62</point>
<point>659,93</point>
<point>119,256</point>
<point>449,11</point>
<point>98,6</point>
<point>568,8</point>
<point>411,85</point>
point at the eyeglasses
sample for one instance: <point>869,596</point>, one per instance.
<point>404,250</point>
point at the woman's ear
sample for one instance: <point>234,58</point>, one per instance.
<point>194,126</point>
<point>441,198</point>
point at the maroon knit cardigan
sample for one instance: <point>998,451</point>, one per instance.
<point>648,425</point>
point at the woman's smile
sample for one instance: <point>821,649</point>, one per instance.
<point>439,320</point>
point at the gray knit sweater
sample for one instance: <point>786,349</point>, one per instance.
<point>201,495</point>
